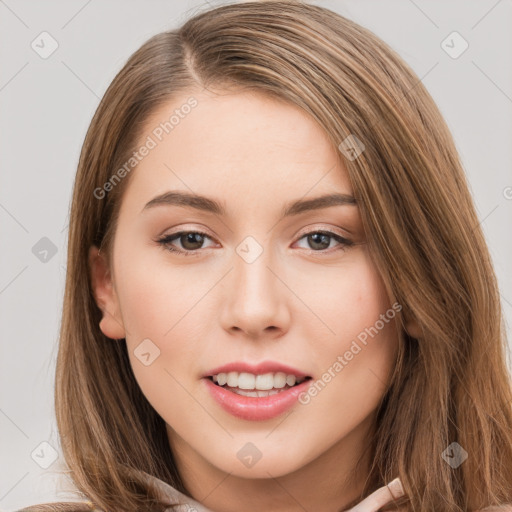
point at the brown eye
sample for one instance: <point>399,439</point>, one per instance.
<point>190,242</point>
<point>319,241</point>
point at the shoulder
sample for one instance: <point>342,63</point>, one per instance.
<point>61,507</point>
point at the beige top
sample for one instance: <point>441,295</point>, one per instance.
<point>376,500</point>
<point>372,503</point>
<point>187,504</point>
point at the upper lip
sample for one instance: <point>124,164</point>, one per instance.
<point>256,369</point>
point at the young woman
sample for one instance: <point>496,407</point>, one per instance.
<point>278,294</point>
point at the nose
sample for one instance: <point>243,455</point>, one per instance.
<point>255,299</point>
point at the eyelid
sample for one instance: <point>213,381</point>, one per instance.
<point>319,227</point>
<point>197,228</point>
<point>304,231</point>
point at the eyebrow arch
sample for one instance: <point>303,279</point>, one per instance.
<point>190,200</point>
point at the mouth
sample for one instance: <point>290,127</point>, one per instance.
<point>257,386</point>
<point>254,397</point>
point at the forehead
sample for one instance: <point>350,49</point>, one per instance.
<point>235,146</point>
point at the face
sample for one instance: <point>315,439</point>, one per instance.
<point>248,285</point>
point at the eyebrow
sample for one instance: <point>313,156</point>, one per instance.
<point>190,200</point>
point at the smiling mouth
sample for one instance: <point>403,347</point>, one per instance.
<point>258,393</point>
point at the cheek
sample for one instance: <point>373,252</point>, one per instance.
<point>161,305</point>
<point>354,364</point>
<point>346,298</point>
<point>165,304</point>
<point>357,331</point>
<point>157,299</point>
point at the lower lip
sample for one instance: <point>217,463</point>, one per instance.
<point>256,408</point>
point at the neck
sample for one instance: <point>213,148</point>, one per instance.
<point>331,482</point>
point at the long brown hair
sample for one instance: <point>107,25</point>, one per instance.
<point>450,383</point>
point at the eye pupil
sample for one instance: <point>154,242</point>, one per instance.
<point>319,238</point>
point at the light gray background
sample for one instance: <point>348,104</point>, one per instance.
<point>47,104</point>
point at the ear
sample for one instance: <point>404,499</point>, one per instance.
<point>412,326</point>
<point>105,295</point>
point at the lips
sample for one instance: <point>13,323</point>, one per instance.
<point>256,369</point>
<point>255,409</point>
<point>262,407</point>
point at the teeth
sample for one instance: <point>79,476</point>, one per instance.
<point>290,380</point>
<point>250,381</point>
<point>258,394</point>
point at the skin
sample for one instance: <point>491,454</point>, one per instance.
<point>304,308</point>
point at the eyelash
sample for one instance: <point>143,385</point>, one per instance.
<point>165,241</point>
